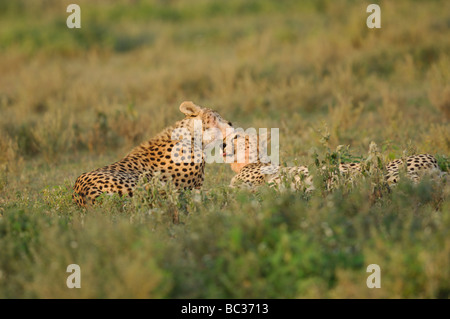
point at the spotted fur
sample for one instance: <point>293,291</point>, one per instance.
<point>251,174</point>
<point>162,154</point>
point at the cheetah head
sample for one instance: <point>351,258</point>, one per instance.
<point>214,128</point>
<point>240,149</point>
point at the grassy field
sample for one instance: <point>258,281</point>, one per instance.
<point>72,100</point>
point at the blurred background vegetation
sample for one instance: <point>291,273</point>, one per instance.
<point>72,100</point>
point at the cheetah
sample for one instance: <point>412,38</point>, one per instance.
<point>416,166</point>
<point>175,154</point>
<point>252,172</point>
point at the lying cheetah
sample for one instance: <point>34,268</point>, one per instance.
<point>253,173</point>
<point>169,154</point>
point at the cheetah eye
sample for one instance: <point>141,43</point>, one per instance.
<point>230,124</point>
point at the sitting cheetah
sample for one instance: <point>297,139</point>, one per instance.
<point>251,172</point>
<point>170,154</point>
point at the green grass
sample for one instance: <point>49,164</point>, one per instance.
<point>75,100</point>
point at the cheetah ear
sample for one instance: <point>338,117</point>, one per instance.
<point>189,108</point>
